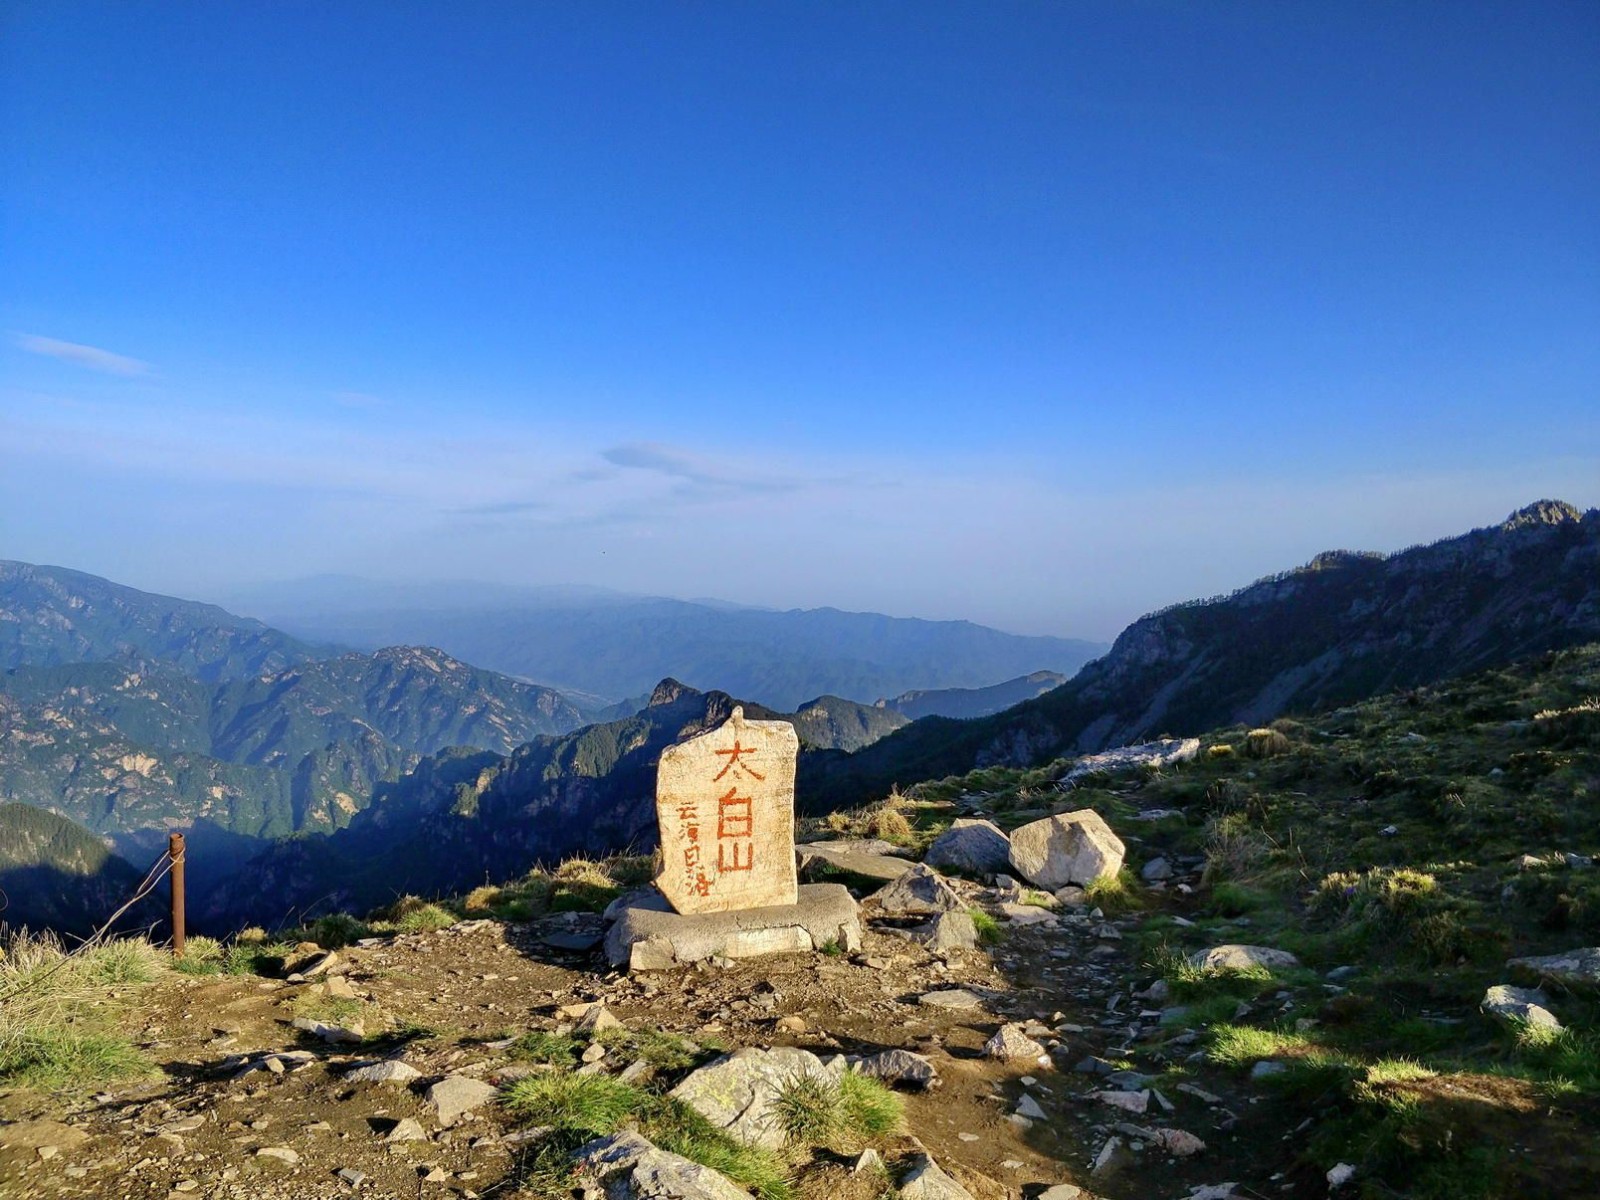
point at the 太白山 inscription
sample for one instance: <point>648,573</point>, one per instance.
<point>725,800</point>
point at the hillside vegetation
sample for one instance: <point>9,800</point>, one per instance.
<point>1343,627</point>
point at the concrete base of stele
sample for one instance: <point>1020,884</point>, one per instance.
<point>650,936</point>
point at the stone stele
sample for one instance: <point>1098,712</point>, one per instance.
<point>725,800</point>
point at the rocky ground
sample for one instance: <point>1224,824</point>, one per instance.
<point>251,1106</point>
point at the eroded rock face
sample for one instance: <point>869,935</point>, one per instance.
<point>1072,848</point>
<point>976,847</point>
<point>630,1167</point>
<point>738,1091</point>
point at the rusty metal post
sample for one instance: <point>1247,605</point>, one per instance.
<point>175,853</point>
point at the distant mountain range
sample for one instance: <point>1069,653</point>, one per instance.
<point>966,703</point>
<point>128,714</point>
<point>354,754</point>
<point>613,646</point>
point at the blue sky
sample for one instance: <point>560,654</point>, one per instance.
<point>1038,314</point>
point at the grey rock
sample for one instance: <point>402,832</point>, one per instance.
<point>947,931</point>
<point>1242,958</point>
<point>1134,1102</point>
<point>976,847</point>
<point>919,892</point>
<point>351,1176</point>
<point>868,1160</point>
<point>1528,1005</point>
<point>1076,847</point>
<point>899,1068</point>
<point>815,856</point>
<point>1011,1044</point>
<point>651,936</point>
<point>1156,870</point>
<point>455,1096</point>
<point>629,1167</point>
<point>738,1091</point>
<point>1027,914</point>
<point>951,998</point>
<point>331,1033</point>
<point>1266,1069</point>
<point>1113,1159</point>
<point>1575,968</point>
<point>597,1019</point>
<point>927,1181</point>
<point>1029,1109</point>
<point>384,1072</point>
<point>1162,753</point>
<point>1064,1191</point>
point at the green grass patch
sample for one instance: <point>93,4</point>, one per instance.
<point>580,1107</point>
<point>542,1046</point>
<point>990,931</point>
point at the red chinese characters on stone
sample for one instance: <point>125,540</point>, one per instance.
<point>719,795</point>
<point>735,831</point>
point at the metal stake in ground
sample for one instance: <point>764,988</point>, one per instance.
<point>175,853</point>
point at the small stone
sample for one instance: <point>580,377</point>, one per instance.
<point>437,1175</point>
<point>1114,1157</point>
<point>48,1152</point>
<point>186,1185</point>
<point>899,1068</point>
<point>1179,1143</point>
<point>1063,1191</point>
<point>1134,1102</point>
<point>926,1181</point>
<point>1266,1069</point>
<point>1011,1044</point>
<point>791,1024</point>
<point>593,1052</point>
<point>951,998</point>
<point>1340,1174</point>
<point>597,1019</point>
<point>407,1129</point>
<point>1156,870</point>
<point>339,988</point>
<point>456,1096</point>
<point>351,1176</point>
<point>867,1160</point>
<point>392,1071</point>
<point>282,1153</point>
<point>1028,1108</point>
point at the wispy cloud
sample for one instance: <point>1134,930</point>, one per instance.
<point>697,469</point>
<point>80,355</point>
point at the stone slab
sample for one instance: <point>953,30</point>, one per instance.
<point>649,935</point>
<point>866,865</point>
<point>725,803</point>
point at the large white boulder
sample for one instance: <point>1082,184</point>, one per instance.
<point>1075,847</point>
